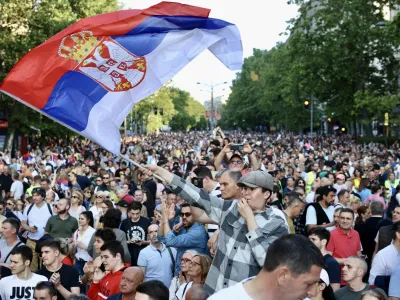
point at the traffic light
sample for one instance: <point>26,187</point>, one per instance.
<point>306,104</point>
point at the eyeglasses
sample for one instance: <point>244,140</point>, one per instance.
<point>99,196</point>
<point>10,203</point>
<point>187,215</point>
<point>185,260</point>
<point>236,162</point>
<point>192,263</point>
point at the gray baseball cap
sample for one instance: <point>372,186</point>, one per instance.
<point>256,179</point>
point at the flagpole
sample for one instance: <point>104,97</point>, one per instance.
<point>139,166</point>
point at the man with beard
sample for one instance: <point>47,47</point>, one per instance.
<point>156,260</point>
<point>62,225</point>
<point>22,282</point>
<point>320,214</point>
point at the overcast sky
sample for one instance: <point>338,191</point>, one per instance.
<point>260,23</point>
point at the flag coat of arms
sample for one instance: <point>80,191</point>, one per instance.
<point>89,76</point>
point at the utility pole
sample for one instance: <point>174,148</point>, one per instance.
<point>311,115</point>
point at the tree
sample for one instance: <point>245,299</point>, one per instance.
<point>346,54</point>
<point>24,24</point>
<point>189,112</point>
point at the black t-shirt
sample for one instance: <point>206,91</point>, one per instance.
<point>332,267</point>
<point>69,277</point>
<point>137,231</point>
<point>6,182</point>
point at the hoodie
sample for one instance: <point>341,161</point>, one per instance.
<point>106,287</point>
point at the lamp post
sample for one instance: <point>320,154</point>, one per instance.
<point>211,90</point>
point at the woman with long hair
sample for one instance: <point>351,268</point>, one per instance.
<point>67,252</point>
<point>105,206</point>
<point>82,238</point>
<point>358,174</point>
<point>96,209</point>
<point>198,270</point>
<point>182,278</point>
<point>87,197</point>
<point>364,213</point>
<point>76,204</point>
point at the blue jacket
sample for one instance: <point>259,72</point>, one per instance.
<point>193,239</point>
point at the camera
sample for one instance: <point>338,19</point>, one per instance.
<point>237,147</point>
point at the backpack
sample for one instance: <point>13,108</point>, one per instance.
<point>30,208</point>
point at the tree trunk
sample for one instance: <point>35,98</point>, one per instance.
<point>9,139</point>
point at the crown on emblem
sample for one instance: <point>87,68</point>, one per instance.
<point>78,45</point>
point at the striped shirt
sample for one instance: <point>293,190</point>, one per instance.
<point>241,253</point>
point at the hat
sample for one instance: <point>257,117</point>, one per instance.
<point>236,155</point>
<point>324,277</point>
<point>256,179</point>
<point>48,168</point>
<point>122,203</point>
<point>340,176</point>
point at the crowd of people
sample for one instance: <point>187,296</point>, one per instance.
<point>199,215</point>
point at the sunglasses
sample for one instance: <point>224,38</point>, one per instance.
<point>106,177</point>
<point>187,215</point>
<point>10,203</point>
<point>99,196</point>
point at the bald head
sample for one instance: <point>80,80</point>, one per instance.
<point>131,278</point>
<point>196,292</point>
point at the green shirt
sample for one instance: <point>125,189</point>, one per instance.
<point>59,228</point>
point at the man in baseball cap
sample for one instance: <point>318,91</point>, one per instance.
<point>247,226</point>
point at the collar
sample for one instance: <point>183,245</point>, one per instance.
<point>155,249</point>
<point>349,234</point>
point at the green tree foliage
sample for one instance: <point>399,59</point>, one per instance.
<point>160,100</point>
<point>339,52</point>
<point>25,24</point>
<point>189,112</point>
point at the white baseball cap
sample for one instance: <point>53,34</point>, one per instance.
<point>324,276</point>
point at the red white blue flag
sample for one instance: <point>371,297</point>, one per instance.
<point>89,76</point>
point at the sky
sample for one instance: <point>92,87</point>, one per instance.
<point>260,23</point>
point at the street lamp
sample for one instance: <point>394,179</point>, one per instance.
<point>211,89</point>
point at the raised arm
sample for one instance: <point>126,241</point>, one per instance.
<point>212,205</point>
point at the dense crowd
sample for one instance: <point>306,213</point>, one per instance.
<point>199,215</point>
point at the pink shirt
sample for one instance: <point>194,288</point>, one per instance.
<point>375,197</point>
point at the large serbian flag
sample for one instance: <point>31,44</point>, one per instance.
<point>89,76</point>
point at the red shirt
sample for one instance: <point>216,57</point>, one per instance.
<point>67,261</point>
<point>108,286</point>
<point>343,245</point>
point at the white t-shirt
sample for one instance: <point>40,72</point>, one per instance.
<point>84,238</point>
<point>236,291</point>
<point>18,189</point>
<point>37,217</point>
<point>11,287</point>
<point>311,218</point>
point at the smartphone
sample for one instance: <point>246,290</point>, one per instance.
<point>102,268</point>
<point>236,147</point>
